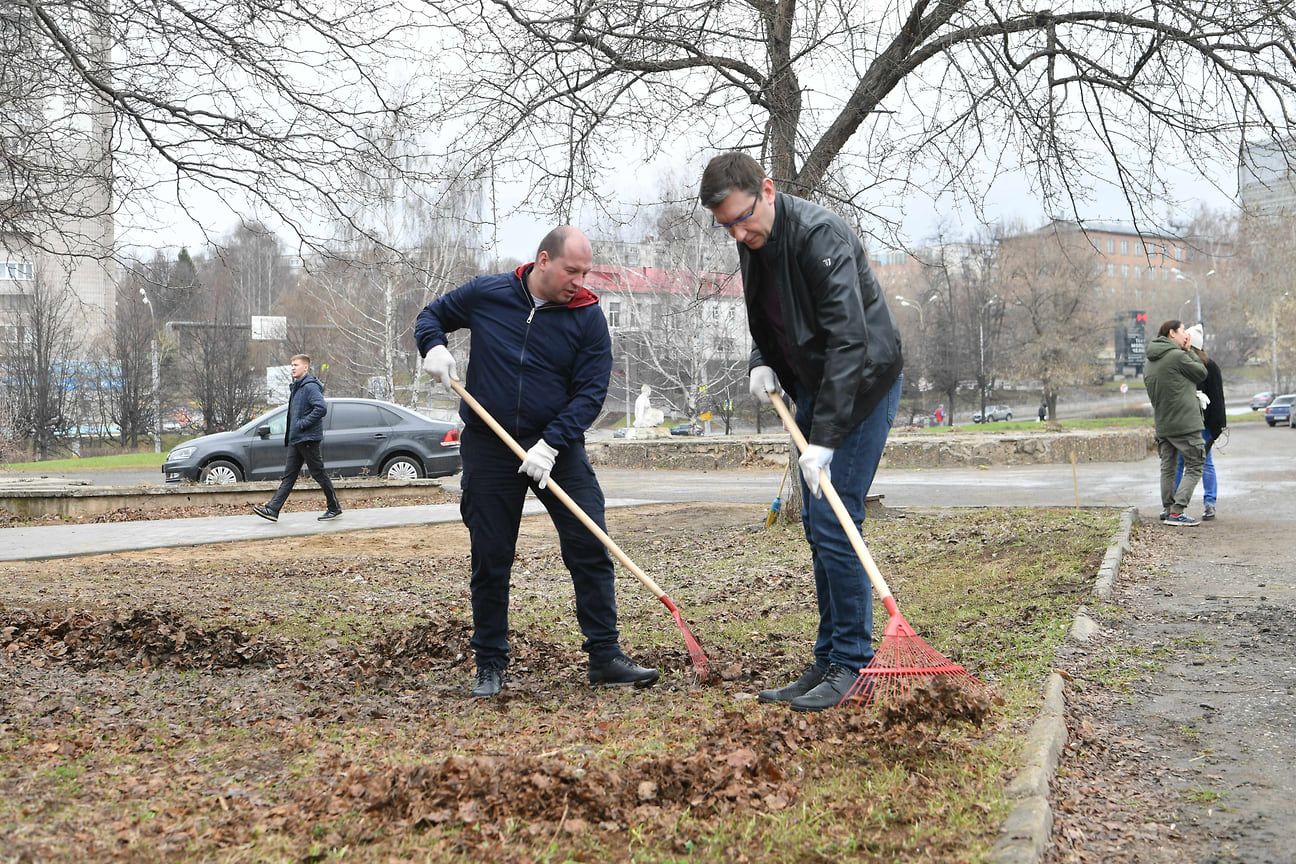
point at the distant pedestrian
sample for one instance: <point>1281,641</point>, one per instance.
<point>1043,411</point>
<point>1171,376</point>
<point>1211,393</point>
<point>940,415</point>
<point>303,435</point>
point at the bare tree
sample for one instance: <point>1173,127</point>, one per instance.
<point>40,368</point>
<point>131,360</point>
<point>208,105</point>
<point>868,103</point>
<point>1048,281</point>
<point>1268,247</point>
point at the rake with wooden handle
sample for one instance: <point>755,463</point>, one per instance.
<point>701,666</point>
<point>904,660</point>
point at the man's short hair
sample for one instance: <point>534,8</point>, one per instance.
<point>555,242</point>
<point>729,173</point>
<point>305,357</point>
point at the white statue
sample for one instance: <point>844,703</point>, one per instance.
<point>645,415</point>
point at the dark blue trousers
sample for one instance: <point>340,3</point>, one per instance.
<point>491,506</point>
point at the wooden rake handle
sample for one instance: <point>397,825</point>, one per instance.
<point>562,496</point>
<point>847,523</point>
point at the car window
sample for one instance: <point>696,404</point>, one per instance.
<point>278,423</point>
<point>389,417</point>
<point>354,415</point>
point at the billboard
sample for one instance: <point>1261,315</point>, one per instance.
<point>1131,342</point>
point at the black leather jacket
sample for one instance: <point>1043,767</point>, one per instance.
<point>843,344</point>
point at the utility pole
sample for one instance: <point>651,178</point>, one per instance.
<point>157,396</point>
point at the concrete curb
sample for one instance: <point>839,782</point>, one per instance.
<point>1028,830</point>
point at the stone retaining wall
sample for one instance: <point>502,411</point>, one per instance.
<point>36,498</point>
<point>902,450</point>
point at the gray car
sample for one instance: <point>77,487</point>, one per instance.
<point>993,413</point>
<point>362,437</point>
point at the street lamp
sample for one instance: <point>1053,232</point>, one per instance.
<point>981,381</point>
<point>157,397</point>
<point>922,336</point>
<point>1180,276</point>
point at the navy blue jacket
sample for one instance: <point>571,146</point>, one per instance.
<point>539,371</point>
<point>306,410</point>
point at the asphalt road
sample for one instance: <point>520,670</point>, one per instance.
<point>1254,463</point>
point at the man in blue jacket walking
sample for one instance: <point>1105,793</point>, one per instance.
<point>302,436</point>
<point>540,361</point>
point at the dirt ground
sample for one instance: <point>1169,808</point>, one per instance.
<point>145,713</point>
<point>1180,711</point>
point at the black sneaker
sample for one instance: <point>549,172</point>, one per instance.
<point>1165,514</point>
<point>1208,512</point>
<point>810,678</point>
<point>621,671</point>
<point>265,512</point>
<point>829,692</point>
<point>489,682</point>
<point>329,514</point>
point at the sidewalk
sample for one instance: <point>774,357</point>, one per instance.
<point>65,541</point>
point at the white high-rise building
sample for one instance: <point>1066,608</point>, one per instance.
<point>1267,179</point>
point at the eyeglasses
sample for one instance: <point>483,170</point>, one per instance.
<point>742,218</point>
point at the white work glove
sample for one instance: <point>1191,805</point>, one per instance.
<point>814,459</point>
<point>763,382</point>
<point>539,462</point>
<point>440,364</point>
<point>1203,399</point>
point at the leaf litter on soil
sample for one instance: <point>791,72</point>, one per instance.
<point>346,671</point>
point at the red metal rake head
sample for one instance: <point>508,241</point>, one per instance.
<point>903,662</point>
<point>701,665</point>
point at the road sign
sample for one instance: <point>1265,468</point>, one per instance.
<point>1124,388</point>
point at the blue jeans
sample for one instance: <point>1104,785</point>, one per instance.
<point>491,507</point>
<point>1209,481</point>
<point>842,586</point>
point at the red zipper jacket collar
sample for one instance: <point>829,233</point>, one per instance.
<point>584,297</point>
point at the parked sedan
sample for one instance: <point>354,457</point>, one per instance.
<point>1279,410</point>
<point>1261,400</point>
<point>362,437</point>
<point>993,413</point>
<point>686,429</point>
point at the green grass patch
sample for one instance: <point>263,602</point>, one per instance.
<point>117,461</point>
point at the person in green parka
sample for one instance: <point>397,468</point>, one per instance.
<point>1171,375</point>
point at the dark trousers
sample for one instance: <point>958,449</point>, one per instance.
<point>491,506</point>
<point>307,452</point>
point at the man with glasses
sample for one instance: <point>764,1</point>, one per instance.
<point>823,333</point>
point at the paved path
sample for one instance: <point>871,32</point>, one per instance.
<point>62,541</point>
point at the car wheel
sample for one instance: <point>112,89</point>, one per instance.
<point>402,468</point>
<point>1272,422</point>
<point>219,472</point>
